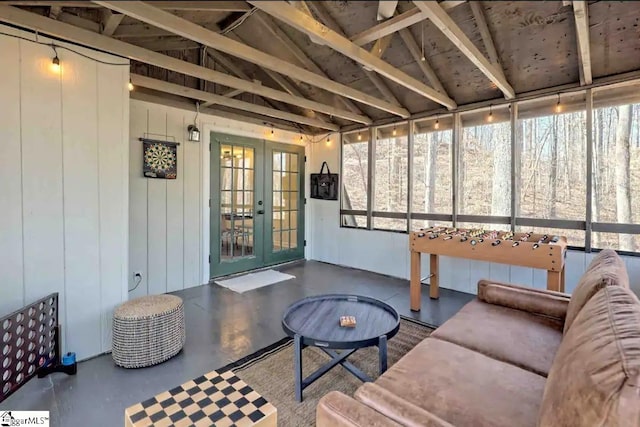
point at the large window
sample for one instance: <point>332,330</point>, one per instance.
<point>484,168</point>
<point>552,140</point>
<point>616,157</point>
<point>471,169</point>
<point>355,176</point>
<point>391,148</point>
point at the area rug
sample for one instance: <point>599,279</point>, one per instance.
<point>248,282</point>
<point>270,372</point>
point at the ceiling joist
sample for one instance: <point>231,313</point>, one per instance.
<point>581,15</point>
<point>299,54</point>
<point>449,28</point>
<point>180,26</point>
<point>78,35</point>
<point>306,24</point>
<point>378,50</point>
<point>423,63</point>
<point>397,23</point>
<point>211,98</point>
<point>110,22</point>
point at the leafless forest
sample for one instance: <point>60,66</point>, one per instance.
<point>551,176</point>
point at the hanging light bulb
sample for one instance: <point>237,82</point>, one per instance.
<point>436,126</point>
<point>328,142</point>
<point>55,64</point>
<point>301,139</point>
<point>272,131</point>
<point>359,137</point>
<point>131,87</point>
<point>558,106</point>
<point>490,118</point>
<point>394,131</point>
<point>422,58</point>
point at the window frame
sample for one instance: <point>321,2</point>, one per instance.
<point>510,221</point>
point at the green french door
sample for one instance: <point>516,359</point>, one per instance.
<point>257,203</point>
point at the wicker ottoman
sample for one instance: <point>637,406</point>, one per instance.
<point>148,330</point>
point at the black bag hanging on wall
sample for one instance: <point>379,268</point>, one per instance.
<point>324,185</point>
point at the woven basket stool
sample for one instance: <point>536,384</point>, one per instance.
<point>148,330</point>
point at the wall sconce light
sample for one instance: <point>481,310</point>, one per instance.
<point>194,132</point>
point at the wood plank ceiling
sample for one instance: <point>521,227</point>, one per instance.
<point>323,65</point>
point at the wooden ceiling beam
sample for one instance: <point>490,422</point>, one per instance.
<point>449,28</point>
<point>110,22</point>
<point>398,22</point>
<point>306,24</point>
<point>210,6</point>
<point>423,63</point>
<point>148,13</point>
<point>378,50</point>
<point>487,39</point>
<point>168,44</point>
<point>386,9</point>
<point>74,34</point>
<point>301,57</point>
<point>581,15</point>
<point>212,98</point>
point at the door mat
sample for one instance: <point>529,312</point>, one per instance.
<point>248,282</point>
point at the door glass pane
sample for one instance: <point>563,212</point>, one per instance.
<point>285,220</point>
<point>293,182</point>
<point>277,161</point>
<point>277,181</point>
<point>277,201</point>
<point>285,240</point>
<point>293,220</point>
<point>294,163</point>
<point>236,206</point>
<point>293,241</point>
<point>276,241</point>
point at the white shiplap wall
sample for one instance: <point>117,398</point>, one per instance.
<point>169,219</point>
<point>388,252</point>
<point>63,191</point>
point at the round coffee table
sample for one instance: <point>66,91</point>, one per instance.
<point>315,321</point>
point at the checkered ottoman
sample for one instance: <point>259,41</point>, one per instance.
<point>217,398</point>
<point>148,330</point>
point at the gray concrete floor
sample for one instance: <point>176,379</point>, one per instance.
<point>222,326</point>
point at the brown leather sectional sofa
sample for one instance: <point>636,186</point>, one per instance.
<point>515,357</point>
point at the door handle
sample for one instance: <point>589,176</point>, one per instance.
<point>260,212</point>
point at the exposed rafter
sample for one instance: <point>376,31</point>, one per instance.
<point>581,15</point>
<point>423,63</point>
<point>168,44</point>
<point>167,21</point>
<point>449,28</point>
<point>310,26</point>
<point>211,6</point>
<point>211,98</point>
<point>299,54</point>
<point>378,50</point>
<point>481,22</point>
<point>397,23</point>
<point>386,9</point>
<point>110,22</point>
<point>78,35</point>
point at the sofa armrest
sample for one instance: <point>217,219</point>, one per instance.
<point>397,408</point>
<point>535,301</point>
<point>336,409</point>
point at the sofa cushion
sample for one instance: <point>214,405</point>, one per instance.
<point>463,387</point>
<point>606,269</point>
<point>513,336</point>
<point>595,378</point>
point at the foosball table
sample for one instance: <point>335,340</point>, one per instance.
<point>533,250</point>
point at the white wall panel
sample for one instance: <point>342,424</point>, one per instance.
<point>138,229</point>
<point>175,210</point>
<point>113,127</point>
<point>157,211</point>
<point>192,178</point>
<point>81,203</point>
<point>64,191</point>
<point>11,269</point>
<point>42,189</point>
